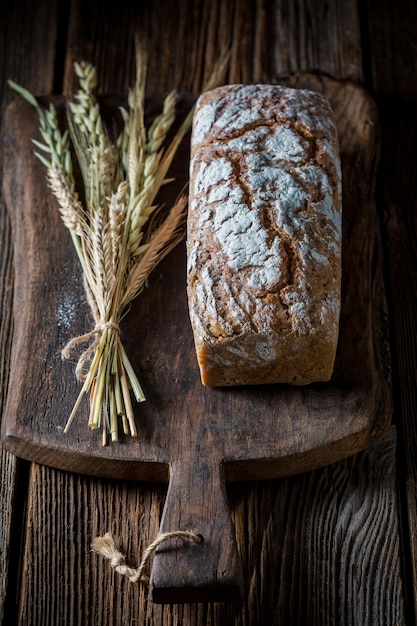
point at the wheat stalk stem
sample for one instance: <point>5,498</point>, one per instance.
<point>117,240</point>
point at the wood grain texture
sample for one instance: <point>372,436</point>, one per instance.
<point>202,435</point>
<point>267,516</point>
<point>394,71</point>
<point>26,54</point>
<point>390,29</point>
<point>266,38</point>
<point>8,481</point>
<point>311,540</point>
<point>321,35</point>
<point>8,463</point>
<point>185,39</point>
<point>400,196</point>
<point>264,431</point>
<point>292,543</point>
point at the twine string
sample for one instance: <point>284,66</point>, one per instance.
<point>94,336</point>
<point>105,546</point>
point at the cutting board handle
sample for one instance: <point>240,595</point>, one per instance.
<point>184,571</point>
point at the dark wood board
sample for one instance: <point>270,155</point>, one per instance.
<point>192,436</point>
<point>394,79</point>
<point>23,28</point>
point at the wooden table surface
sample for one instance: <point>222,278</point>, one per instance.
<point>334,546</point>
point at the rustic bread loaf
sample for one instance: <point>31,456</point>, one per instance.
<point>264,236</point>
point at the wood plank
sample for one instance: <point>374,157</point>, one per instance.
<point>282,425</point>
<point>391,30</point>
<point>259,432</point>
<point>390,37</point>
<point>313,35</point>
<point>265,40</point>
<point>27,33</point>
<point>185,39</point>
<point>309,541</point>
<point>401,234</point>
<point>291,542</point>
<point>261,525</point>
<point>8,483</point>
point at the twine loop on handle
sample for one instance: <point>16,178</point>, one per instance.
<point>105,546</point>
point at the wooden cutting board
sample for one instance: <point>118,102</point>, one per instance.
<point>192,437</point>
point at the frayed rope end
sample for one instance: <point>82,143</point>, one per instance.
<point>105,546</point>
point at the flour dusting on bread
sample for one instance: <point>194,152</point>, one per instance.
<point>264,236</point>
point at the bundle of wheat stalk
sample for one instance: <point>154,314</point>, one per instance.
<point>117,243</point>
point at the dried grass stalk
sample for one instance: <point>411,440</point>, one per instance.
<point>114,234</point>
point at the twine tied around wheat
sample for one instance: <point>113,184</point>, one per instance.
<point>92,336</point>
<point>116,224</point>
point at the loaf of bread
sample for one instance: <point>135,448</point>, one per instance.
<point>264,236</point>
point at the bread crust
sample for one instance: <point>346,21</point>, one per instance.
<point>264,236</point>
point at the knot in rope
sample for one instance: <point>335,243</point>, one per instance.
<point>95,335</point>
<point>106,547</point>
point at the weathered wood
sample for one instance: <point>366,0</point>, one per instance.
<point>311,35</point>
<point>312,540</point>
<point>254,432</point>
<point>294,537</point>
<point>8,463</point>
<point>390,32</point>
<point>8,481</point>
<point>401,232</point>
<point>185,38</point>
<point>288,424</point>
<point>307,579</point>
<point>26,54</point>
<point>392,35</point>
<point>265,39</point>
